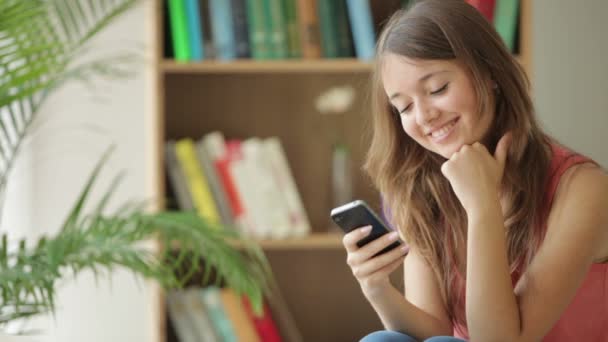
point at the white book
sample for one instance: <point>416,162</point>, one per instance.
<point>182,324</point>
<point>197,312</point>
<point>269,200</point>
<point>280,166</point>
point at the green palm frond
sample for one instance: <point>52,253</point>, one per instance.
<point>100,242</point>
<point>39,42</point>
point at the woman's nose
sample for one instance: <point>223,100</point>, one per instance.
<point>426,114</point>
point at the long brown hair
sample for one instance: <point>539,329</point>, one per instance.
<point>422,204</point>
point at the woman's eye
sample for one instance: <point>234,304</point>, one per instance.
<point>405,110</point>
<point>440,90</point>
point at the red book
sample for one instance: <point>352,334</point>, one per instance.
<point>264,324</point>
<point>486,7</point>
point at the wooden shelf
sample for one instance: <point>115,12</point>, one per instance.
<point>247,66</point>
<point>310,242</point>
<point>345,65</point>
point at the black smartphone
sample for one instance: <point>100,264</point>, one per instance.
<point>358,214</point>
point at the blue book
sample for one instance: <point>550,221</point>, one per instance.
<point>222,29</point>
<point>362,27</point>
<point>217,315</point>
<point>193,21</point>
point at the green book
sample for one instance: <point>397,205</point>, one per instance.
<point>343,35</point>
<point>179,30</point>
<point>329,43</point>
<point>506,15</point>
<point>258,41</point>
<point>276,27</point>
<point>294,49</point>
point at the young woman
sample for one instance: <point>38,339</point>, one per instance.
<point>507,230</point>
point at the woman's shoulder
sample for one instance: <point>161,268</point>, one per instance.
<point>580,191</point>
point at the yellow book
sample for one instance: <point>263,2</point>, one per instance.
<point>197,182</point>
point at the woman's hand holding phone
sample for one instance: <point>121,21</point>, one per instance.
<point>371,270</point>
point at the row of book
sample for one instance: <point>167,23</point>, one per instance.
<point>279,29</point>
<point>271,29</point>
<point>214,314</point>
<point>504,15</point>
<point>243,184</point>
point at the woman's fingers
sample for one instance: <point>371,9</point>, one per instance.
<point>379,262</point>
<point>351,238</point>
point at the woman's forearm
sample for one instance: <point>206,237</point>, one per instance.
<point>492,310</point>
<point>398,314</point>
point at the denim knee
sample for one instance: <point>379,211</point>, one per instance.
<point>387,336</point>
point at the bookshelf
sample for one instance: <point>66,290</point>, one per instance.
<point>245,98</point>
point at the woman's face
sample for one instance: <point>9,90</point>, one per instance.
<point>436,102</point>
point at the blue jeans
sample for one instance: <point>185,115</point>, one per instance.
<point>394,336</point>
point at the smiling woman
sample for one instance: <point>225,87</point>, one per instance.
<point>502,221</point>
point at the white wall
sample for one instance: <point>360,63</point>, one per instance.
<point>571,72</point>
<point>76,125</point>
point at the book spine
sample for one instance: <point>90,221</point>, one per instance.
<point>194,30</point>
<point>217,314</point>
<point>244,328</point>
<point>264,324</point>
<point>298,217</point>
<point>199,315</point>
<point>215,185</point>
<point>343,33</point>
<point>183,325</point>
<point>505,21</point>
<point>308,22</point>
<point>329,44</point>
<point>199,189</point>
<point>207,31</point>
<point>241,30</point>
<point>277,28</point>
<point>179,29</point>
<point>362,26</point>
<point>223,31</point>
<point>293,37</point>
<point>256,19</point>
<point>177,178</point>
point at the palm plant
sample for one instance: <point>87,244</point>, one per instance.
<point>39,43</point>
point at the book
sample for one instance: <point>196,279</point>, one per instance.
<point>243,326</point>
<point>327,25</point>
<point>264,324</point>
<point>179,30</point>
<point>258,32</point>
<point>506,16</point>
<point>287,185</point>
<point>293,36</point>
<point>269,210</point>
<point>178,314</point>
<point>196,180</point>
<point>485,7</point>
<point>276,28</point>
<point>177,178</point>
<point>215,185</point>
<point>217,314</point>
<point>308,22</point>
<point>193,22</point>
<point>343,33</point>
<point>362,27</point>
<point>222,29</point>
<point>197,312</point>
<point>241,28</point>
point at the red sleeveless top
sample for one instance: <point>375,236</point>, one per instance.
<point>586,317</point>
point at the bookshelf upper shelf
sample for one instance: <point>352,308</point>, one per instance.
<point>246,66</point>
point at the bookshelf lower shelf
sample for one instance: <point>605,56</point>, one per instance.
<point>313,241</point>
